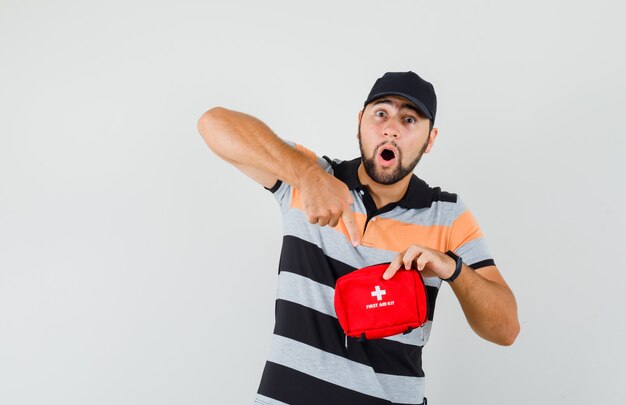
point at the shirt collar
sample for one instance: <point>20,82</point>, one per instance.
<point>418,194</point>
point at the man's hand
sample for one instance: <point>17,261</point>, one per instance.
<point>326,200</point>
<point>488,303</point>
<point>428,261</point>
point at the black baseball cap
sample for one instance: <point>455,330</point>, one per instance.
<point>408,85</point>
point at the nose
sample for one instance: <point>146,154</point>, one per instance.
<point>391,130</point>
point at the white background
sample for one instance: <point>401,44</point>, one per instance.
<point>125,277</point>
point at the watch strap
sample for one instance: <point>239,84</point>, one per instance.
<point>457,269</point>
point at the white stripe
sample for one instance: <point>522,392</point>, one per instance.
<point>432,282</point>
<point>417,337</point>
<point>263,400</point>
<point>345,373</point>
<point>440,213</point>
<point>474,251</point>
<point>304,291</point>
<point>333,242</point>
<point>335,245</point>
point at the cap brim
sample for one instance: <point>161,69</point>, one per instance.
<point>415,102</point>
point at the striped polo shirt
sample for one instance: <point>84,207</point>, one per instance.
<point>311,361</point>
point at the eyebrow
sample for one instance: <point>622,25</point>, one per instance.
<point>403,105</point>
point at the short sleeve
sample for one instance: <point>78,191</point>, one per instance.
<point>467,239</point>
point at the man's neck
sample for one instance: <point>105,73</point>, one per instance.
<point>381,193</point>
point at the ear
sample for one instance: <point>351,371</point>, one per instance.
<point>431,139</point>
<point>358,121</point>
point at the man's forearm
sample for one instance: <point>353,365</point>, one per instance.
<point>242,139</point>
<point>489,307</point>
<point>252,147</point>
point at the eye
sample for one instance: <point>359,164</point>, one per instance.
<point>379,113</point>
<point>410,120</point>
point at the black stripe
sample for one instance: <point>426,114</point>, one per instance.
<point>438,195</point>
<point>296,388</point>
<point>346,171</point>
<point>308,260</point>
<point>483,263</point>
<point>275,187</point>
<point>323,332</point>
<point>431,294</point>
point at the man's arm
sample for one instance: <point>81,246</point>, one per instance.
<point>252,147</point>
<point>488,304</point>
<point>487,301</point>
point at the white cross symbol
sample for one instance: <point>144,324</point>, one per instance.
<point>378,293</point>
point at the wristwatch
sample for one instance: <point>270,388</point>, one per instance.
<point>457,270</point>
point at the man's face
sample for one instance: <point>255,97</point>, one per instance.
<point>393,136</point>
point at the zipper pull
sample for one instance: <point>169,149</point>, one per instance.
<point>346,341</point>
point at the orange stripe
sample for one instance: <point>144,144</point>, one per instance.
<point>465,229</point>
<point>390,234</point>
<point>295,199</point>
<point>394,235</point>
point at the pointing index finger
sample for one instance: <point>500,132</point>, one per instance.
<point>348,219</point>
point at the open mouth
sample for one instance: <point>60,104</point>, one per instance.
<point>387,154</point>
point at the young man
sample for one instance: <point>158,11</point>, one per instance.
<point>343,215</point>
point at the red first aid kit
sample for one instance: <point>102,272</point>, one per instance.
<point>370,307</point>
